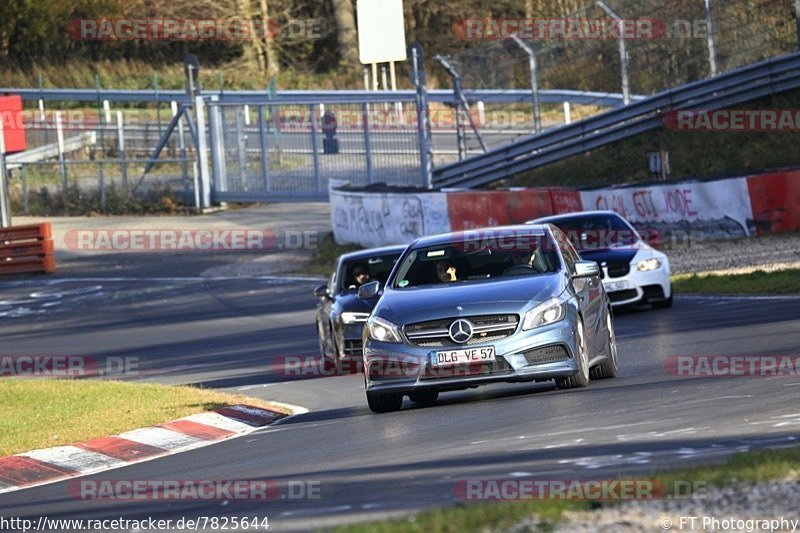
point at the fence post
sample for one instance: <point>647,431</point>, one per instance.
<point>712,52</point>
<point>25,197</point>
<point>314,147</point>
<point>623,52</point>
<point>5,204</point>
<point>797,20</point>
<point>123,166</point>
<point>421,102</point>
<point>41,108</point>
<point>217,131</point>
<point>367,140</point>
<point>533,70</point>
<point>62,163</point>
<point>262,137</point>
<point>181,143</point>
<point>241,147</point>
<point>105,120</point>
<point>567,113</point>
<point>158,103</point>
<point>202,153</point>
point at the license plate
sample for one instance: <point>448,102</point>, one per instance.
<point>466,356</point>
<point>616,286</point>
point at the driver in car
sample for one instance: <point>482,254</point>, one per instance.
<point>361,275</point>
<point>520,263</point>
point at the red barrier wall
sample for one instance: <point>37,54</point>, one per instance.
<point>775,200</point>
<point>468,210</point>
<point>13,129</point>
<point>565,201</point>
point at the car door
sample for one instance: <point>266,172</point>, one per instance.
<point>590,294</point>
<point>325,307</point>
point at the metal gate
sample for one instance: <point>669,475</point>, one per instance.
<point>290,151</point>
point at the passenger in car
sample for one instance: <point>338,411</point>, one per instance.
<point>446,272</point>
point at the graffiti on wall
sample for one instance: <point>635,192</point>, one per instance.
<point>378,219</point>
<point>718,209</point>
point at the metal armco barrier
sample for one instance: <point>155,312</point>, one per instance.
<point>27,250</point>
<point>772,76</point>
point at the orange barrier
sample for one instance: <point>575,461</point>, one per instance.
<point>480,209</point>
<point>27,250</point>
<point>775,200</point>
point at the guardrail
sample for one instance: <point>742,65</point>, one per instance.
<point>489,96</point>
<point>767,77</point>
<point>27,250</point>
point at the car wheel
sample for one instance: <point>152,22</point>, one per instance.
<point>428,396</point>
<point>581,377</point>
<point>384,402</point>
<point>609,367</point>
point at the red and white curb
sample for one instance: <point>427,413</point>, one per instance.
<point>48,465</point>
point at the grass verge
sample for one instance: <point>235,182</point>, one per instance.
<point>40,413</point>
<point>758,282</point>
<point>328,252</point>
<point>740,468</point>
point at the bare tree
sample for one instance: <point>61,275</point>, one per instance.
<point>346,33</point>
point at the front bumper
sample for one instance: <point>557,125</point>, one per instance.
<point>350,343</point>
<point>402,368</point>
<point>638,287</point>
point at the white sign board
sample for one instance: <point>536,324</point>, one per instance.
<point>381,31</point>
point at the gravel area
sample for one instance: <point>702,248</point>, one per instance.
<point>769,252</point>
<point>768,500</point>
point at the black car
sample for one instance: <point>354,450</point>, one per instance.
<point>340,313</point>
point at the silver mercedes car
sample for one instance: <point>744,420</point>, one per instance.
<point>506,304</point>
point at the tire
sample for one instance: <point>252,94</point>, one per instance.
<point>609,367</point>
<point>581,377</point>
<point>383,402</point>
<point>427,396</point>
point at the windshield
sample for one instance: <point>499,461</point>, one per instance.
<point>596,232</point>
<point>478,260</point>
<point>359,271</point>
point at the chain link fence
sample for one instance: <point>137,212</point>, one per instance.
<point>668,43</point>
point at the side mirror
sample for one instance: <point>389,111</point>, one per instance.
<point>322,291</point>
<point>369,290</point>
<point>586,269</point>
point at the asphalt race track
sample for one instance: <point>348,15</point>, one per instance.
<point>226,333</point>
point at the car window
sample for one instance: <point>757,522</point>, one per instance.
<point>595,232</point>
<point>332,283</point>
<point>567,250</point>
<point>473,260</point>
<point>377,267</point>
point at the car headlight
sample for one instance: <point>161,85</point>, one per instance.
<point>545,313</point>
<point>382,330</point>
<point>648,265</point>
<point>354,318</point>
